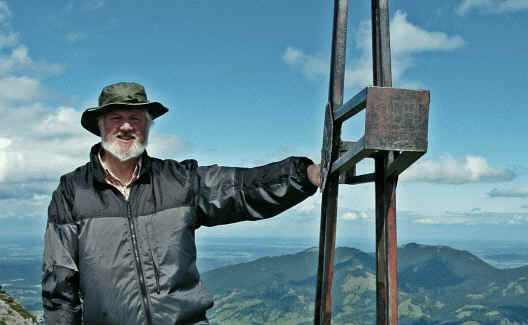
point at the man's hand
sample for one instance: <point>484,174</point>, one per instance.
<point>314,174</point>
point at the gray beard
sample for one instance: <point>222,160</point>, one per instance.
<point>133,152</point>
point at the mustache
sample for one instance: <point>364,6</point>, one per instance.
<point>128,134</point>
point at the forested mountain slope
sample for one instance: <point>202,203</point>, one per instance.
<point>437,285</point>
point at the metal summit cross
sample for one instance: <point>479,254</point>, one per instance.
<point>396,123</point>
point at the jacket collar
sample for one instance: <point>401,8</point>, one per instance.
<point>98,170</point>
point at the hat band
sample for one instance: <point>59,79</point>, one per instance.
<point>124,99</point>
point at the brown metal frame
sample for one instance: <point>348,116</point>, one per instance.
<point>395,136</point>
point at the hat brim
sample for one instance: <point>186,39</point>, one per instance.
<point>90,115</point>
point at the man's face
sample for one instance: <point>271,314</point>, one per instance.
<point>125,132</point>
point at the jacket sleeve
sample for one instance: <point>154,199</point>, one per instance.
<point>60,276</point>
<point>231,194</point>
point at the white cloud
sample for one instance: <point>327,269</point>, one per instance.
<point>474,218</point>
<point>308,209</point>
<point>442,220</point>
<point>292,55</point>
<point>37,145</point>
<point>40,143</point>
<point>27,191</point>
<point>30,150</point>
<point>8,40</point>
<point>310,65</point>
<point>5,13</point>
<point>20,62</point>
<point>492,6</point>
<point>406,40</point>
<point>409,38</point>
<point>353,215</point>
<point>75,36</point>
<point>518,219</point>
<point>15,58</point>
<point>19,89</point>
<point>467,5</point>
<point>521,192</point>
<point>94,4</point>
<point>165,145</point>
<point>451,171</point>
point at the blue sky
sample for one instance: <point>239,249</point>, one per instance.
<point>246,83</point>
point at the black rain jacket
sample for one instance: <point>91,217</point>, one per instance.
<point>109,261</point>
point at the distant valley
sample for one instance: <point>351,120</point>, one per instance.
<point>438,284</point>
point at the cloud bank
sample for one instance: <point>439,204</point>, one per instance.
<point>406,41</point>
<point>451,171</point>
<point>39,142</point>
<point>521,192</point>
<point>475,217</point>
<point>491,6</point>
<point>310,210</point>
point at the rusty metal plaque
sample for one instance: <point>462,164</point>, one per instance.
<point>396,119</point>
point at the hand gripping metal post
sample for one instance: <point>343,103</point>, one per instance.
<point>396,124</point>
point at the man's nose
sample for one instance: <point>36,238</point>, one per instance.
<point>126,126</point>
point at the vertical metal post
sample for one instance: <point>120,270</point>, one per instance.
<point>325,269</point>
<point>381,44</point>
<point>386,243</point>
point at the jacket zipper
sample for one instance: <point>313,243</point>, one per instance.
<point>139,269</point>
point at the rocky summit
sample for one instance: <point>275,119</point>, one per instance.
<point>12,313</point>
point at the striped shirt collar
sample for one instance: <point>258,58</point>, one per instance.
<point>111,179</point>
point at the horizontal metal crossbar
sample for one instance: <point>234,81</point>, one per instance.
<point>351,107</point>
<point>352,156</point>
<point>360,179</point>
<point>400,164</point>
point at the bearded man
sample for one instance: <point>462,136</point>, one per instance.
<point>120,237</point>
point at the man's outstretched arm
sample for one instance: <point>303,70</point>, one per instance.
<point>231,194</point>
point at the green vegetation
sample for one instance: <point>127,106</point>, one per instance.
<point>438,285</point>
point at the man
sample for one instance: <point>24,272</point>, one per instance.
<point>119,245</point>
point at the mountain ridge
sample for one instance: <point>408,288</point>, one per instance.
<point>437,285</point>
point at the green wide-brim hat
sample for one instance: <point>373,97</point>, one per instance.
<point>122,95</point>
